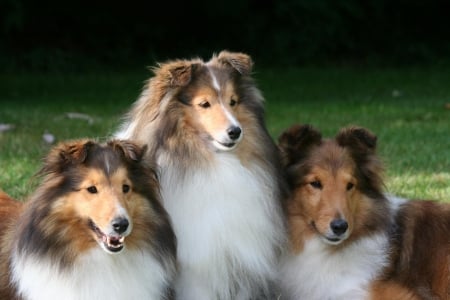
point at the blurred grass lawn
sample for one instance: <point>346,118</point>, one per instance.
<point>405,108</point>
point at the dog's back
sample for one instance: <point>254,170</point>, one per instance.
<point>9,211</point>
<point>420,258</point>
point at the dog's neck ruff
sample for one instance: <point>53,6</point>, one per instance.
<point>319,272</point>
<point>228,225</point>
<point>95,275</point>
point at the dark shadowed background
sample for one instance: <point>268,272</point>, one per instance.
<point>54,34</point>
<point>71,69</point>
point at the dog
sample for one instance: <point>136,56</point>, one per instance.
<point>348,238</point>
<point>94,229</point>
<point>221,179</point>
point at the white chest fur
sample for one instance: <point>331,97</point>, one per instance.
<point>228,226</point>
<point>96,275</point>
<point>319,274</point>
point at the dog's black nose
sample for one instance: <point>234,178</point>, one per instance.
<point>339,226</point>
<point>120,225</point>
<point>234,132</point>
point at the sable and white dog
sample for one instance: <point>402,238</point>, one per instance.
<point>221,183</point>
<point>94,229</point>
<point>347,239</point>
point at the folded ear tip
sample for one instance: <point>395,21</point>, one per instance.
<point>65,154</point>
<point>299,131</point>
<point>298,139</point>
<point>241,62</point>
<point>174,73</point>
<point>353,136</point>
<point>129,149</point>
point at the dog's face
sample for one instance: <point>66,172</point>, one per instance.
<point>209,94</point>
<point>102,201</point>
<point>329,181</point>
<point>329,198</point>
<point>214,111</point>
<point>105,200</point>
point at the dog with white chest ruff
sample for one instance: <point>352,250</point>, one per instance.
<point>94,229</point>
<point>348,240</point>
<point>221,183</point>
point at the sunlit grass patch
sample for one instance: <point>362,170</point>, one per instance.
<point>430,186</point>
<point>406,109</point>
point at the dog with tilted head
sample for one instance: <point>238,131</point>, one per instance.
<point>220,176</point>
<point>348,240</point>
<point>93,229</point>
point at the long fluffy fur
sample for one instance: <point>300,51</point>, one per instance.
<point>395,249</point>
<point>49,248</point>
<point>224,204</point>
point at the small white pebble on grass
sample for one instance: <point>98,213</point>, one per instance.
<point>48,138</point>
<point>75,115</point>
<point>396,93</point>
<point>6,127</point>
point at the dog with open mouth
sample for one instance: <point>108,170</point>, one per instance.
<point>94,229</point>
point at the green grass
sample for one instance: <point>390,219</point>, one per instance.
<point>405,108</point>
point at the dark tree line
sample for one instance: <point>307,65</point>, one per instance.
<point>40,33</point>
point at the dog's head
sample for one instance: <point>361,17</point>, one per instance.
<point>335,182</point>
<point>206,98</point>
<point>98,191</point>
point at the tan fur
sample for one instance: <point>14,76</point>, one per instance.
<point>9,211</point>
<point>212,119</point>
<point>418,253</point>
<point>9,208</point>
<point>56,222</point>
<point>101,207</point>
<point>186,114</point>
<point>390,290</point>
<point>421,252</point>
<point>333,168</point>
<point>162,94</point>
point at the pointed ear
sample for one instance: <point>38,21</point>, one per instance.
<point>295,142</point>
<point>177,73</point>
<point>128,149</point>
<point>239,61</point>
<point>66,154</point>
<point>358,139</point>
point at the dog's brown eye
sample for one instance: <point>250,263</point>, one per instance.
<point>125,188</point>
<point>233,102</point>
<point>205,104</point>
<point>316,184</point>
<point>92,189</point>
<point>350,186</point>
